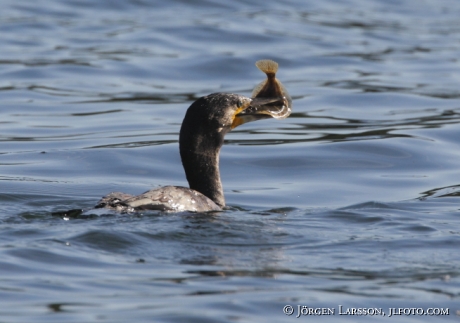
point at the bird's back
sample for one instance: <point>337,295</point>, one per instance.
<point>167,198</point>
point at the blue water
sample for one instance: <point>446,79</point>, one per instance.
<point>352,201</point>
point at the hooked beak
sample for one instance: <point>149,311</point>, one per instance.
<point>263,108</point>
<point>278,108</point>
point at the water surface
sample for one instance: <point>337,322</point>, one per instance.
<point>353,200</point>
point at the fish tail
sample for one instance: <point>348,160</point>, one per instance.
<point>267,66</point>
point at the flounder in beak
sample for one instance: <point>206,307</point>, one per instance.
<point>270,97</point>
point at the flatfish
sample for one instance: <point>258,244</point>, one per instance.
<point>271,88</point>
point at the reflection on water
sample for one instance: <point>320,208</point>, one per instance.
<point>352,200</point>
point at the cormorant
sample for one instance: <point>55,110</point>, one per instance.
<point>201,137</point>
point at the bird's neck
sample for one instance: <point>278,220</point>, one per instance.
<point>199,152</point>
<point>202,172</point>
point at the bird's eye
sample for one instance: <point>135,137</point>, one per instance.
<point>239,104</point>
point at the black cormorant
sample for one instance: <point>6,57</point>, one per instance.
<point>202,133</point>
